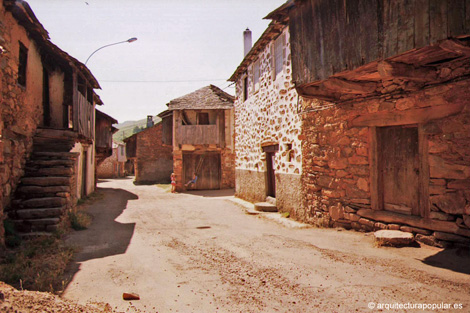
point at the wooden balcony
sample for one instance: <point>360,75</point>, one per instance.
<point>198,135</point>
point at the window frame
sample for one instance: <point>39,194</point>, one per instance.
<point>22,64</point>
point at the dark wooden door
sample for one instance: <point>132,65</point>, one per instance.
<point>270,175</point>
<point>207,168</point>
<point>399,168</point>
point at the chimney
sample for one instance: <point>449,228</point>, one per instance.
<point>149,121</point>
<point>247,41</point>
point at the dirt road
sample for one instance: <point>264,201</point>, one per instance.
<point>201,252</point>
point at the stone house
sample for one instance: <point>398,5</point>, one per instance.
<point>201,125</point>
<point>47,125</point>
<point>152,158</point>
<point>386,114</point>
<point>114,165</point>
<point>268,151</point>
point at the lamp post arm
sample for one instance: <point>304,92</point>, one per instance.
<point>111,44</point>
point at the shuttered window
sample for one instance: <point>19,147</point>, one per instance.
<point>278,55</point>
<point>256,75</point>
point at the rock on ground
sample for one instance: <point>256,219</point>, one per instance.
<point>394,238</point>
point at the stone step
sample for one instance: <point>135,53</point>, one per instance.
<point>265,207</point>
<point>393,238</point>
<point>27,214</point>
<point>271,200</point>
<point>33,235</point>
<point>47,202</point>
<point>49,171</point>
<point>51,163</point>
<point>35,190</point>
<point>46,181</point>
<point>39,155</point>
<point>37,225</point>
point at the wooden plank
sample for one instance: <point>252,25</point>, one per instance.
<point>421,25</point>
<point>424,206</point>
<point>407,117</point>
<point>376,183</point>
<point>390,70</point>
<point>345,86</point>
<point>415,221</point>
<point>75,111</point>
<point>455,18</point>
<point>390,28</point>
<point>455,46</point>
<point>467,16</point>
<point>368,28</point>
<point>437,20</point>
<point>405,26</point>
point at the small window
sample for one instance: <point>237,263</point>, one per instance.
<point>256,75</point>
<point>245,88</point>
<point>278,55</point>
<point>22,65</point>
<point>290,152</point>
<point>203,118</point>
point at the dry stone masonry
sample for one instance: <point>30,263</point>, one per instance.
<point>268,117</point>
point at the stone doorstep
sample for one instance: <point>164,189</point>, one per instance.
<point>265,207</point>
<point>271,200</point>
<point>40,213</point>
<point>394,238</point>
<point>32,235</point>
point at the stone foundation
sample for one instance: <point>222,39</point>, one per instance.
<point>250,185</point>
<point>288,194</point>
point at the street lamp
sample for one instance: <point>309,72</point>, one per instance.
<point>111,44</point>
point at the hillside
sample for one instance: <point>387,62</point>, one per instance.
<point>126,129</point>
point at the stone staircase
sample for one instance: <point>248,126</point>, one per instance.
<point>268,206</point>
<point>45,191</point>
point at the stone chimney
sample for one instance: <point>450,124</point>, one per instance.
<point>149,121</point>
<point>247,41</point>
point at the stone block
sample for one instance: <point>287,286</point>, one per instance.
<point>415,230</point>
<point>394,238</point>
<point>450,203</point>
<point>451,237</point>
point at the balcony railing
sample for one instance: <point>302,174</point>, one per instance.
<point>198,134</point>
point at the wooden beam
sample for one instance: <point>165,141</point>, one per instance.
<point>347,86</point>
<point>407,117</point>
<point>317,92</point>
<point>415,221</point>
<point>423,180</point>
<point>455,46</point>
<point>391,70</point>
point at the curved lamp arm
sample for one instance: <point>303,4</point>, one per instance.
<point>111,44</point>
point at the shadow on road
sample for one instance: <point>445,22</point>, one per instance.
<point>105,236</point>
<point>457,260</point>
<point>211,193</point>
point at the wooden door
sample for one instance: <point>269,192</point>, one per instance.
<point>270,175</point>
<point>398,161</point>
<point>207,168</point>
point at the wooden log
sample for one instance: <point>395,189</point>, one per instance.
<point>407,117</point>
<point>455,46</point>
<point>347,86</point>
<point>391,70</point>
<point>415,221</point>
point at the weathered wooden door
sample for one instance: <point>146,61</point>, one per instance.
<point>398,160</point>
<point>207,168</point>
<point>270,175</point>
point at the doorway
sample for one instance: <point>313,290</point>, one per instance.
<point>207,168</point>
<point>270,169</point>
<point>399,168</point>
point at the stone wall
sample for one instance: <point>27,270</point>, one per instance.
<point>21,107</point>
<point>268,117</point>
<point>337,162</point>
<point>154,161</point>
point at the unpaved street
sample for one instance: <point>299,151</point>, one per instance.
<point>201,252</point>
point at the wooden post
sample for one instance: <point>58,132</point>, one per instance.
<point>423,201</point>
<point>376,184</point>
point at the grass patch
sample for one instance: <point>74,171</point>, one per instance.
<point>285,214</point>
<point>36,264</point>
<point>165,187</point>
<point>79,220</point>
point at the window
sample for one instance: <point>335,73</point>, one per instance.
<point>256,75</point>
<point>278,55</point>
<point>23,61</point>
<point>245,88</point>
<point>202,119</point>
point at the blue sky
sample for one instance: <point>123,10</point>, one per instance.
<point>182,45</point>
